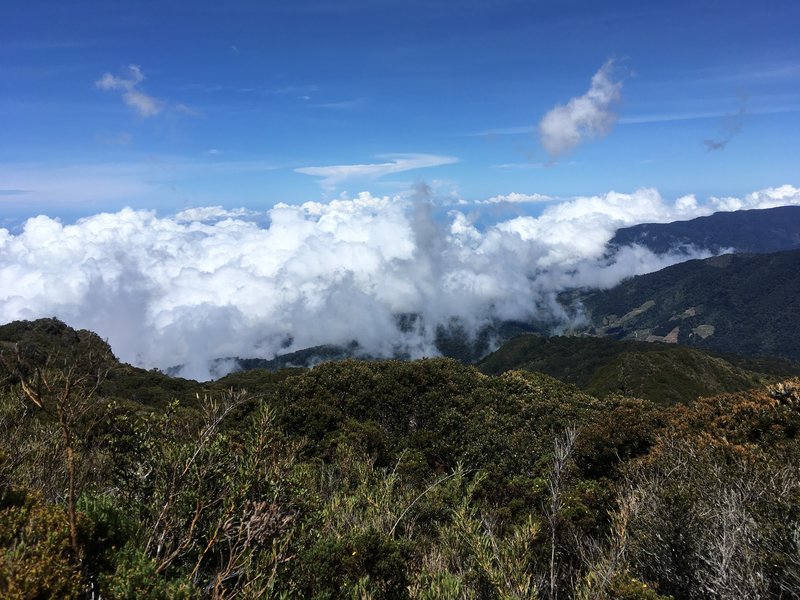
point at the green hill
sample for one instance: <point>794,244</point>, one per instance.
<point>659,372</point>
<point>390,479</point>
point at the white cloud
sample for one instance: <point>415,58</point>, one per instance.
<point>785,195</point>
<point>333,176</point>
<point>516,198</point>
<point>583,117</point>
<point>204,214</point>
<point>109,82</point>
<point>214,282</point>
<point>182,109</point>
<point>145,105</point>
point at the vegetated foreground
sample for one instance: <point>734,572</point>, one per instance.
<point>389,479</point>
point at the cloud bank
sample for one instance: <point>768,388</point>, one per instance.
<point>516,198</point>
<point>210,283</point>
<point>583,117</point>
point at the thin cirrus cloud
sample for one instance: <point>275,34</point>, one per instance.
<point>644,119</point>
<point>583,117</point>
<point>71,185</point>
<point>334,175</point>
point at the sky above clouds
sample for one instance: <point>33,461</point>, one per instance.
<point>173,104</point>
<point>226,176</point>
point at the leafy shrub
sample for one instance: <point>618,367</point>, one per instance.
<point>36,557</point>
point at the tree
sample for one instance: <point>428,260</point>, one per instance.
<point>62,384</point>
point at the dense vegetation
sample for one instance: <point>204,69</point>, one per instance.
<point>384,479</point>
<point>737,303</point>
<point>663,373</point>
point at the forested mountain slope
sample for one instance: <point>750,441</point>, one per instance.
<point>384,479</point>
<point>663,373</point>
<point>750,231</point>
<point>746,304</point>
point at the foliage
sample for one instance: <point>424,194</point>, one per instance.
<point>36,556</point>
<point>392,479</point>
<point>662,373</point>
<point>750,300</point>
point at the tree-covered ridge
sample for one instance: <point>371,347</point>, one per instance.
<point>662,373</point>
<point>749,231</point>
<point>736,303</point>
<point>390,479</point>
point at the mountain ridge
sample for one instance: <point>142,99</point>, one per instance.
<point>747,304</point>
<point>745,231</point>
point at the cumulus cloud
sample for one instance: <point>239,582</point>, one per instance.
<point>516,198</point>
<point>333,176</point>
<point>785,195</point>
<point>145,105</point>
<point>213,213</point>
<point>211,283</point>
<point>583,117</point>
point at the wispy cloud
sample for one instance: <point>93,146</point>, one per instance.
<point>146,106</point>
<point>789,106</point>
<point>291,89</point>
<point>72,185</point>
<point>187,110</point>
<point>504,131</point>
<point>519,166</point>
<point>729,127</point>
<point>583,117</point>
<point>341,105</point>
<point>334,175</point>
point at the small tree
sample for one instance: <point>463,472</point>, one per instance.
<point>62,385</point>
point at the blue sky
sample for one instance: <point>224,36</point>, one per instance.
<point>169,105</point>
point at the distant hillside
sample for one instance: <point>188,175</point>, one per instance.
<point>305,358</point>
<point>746,304</point>
<point>655,371</point>
<point>52,340</point>
<point>452,341</point>
<point>751,231</point>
